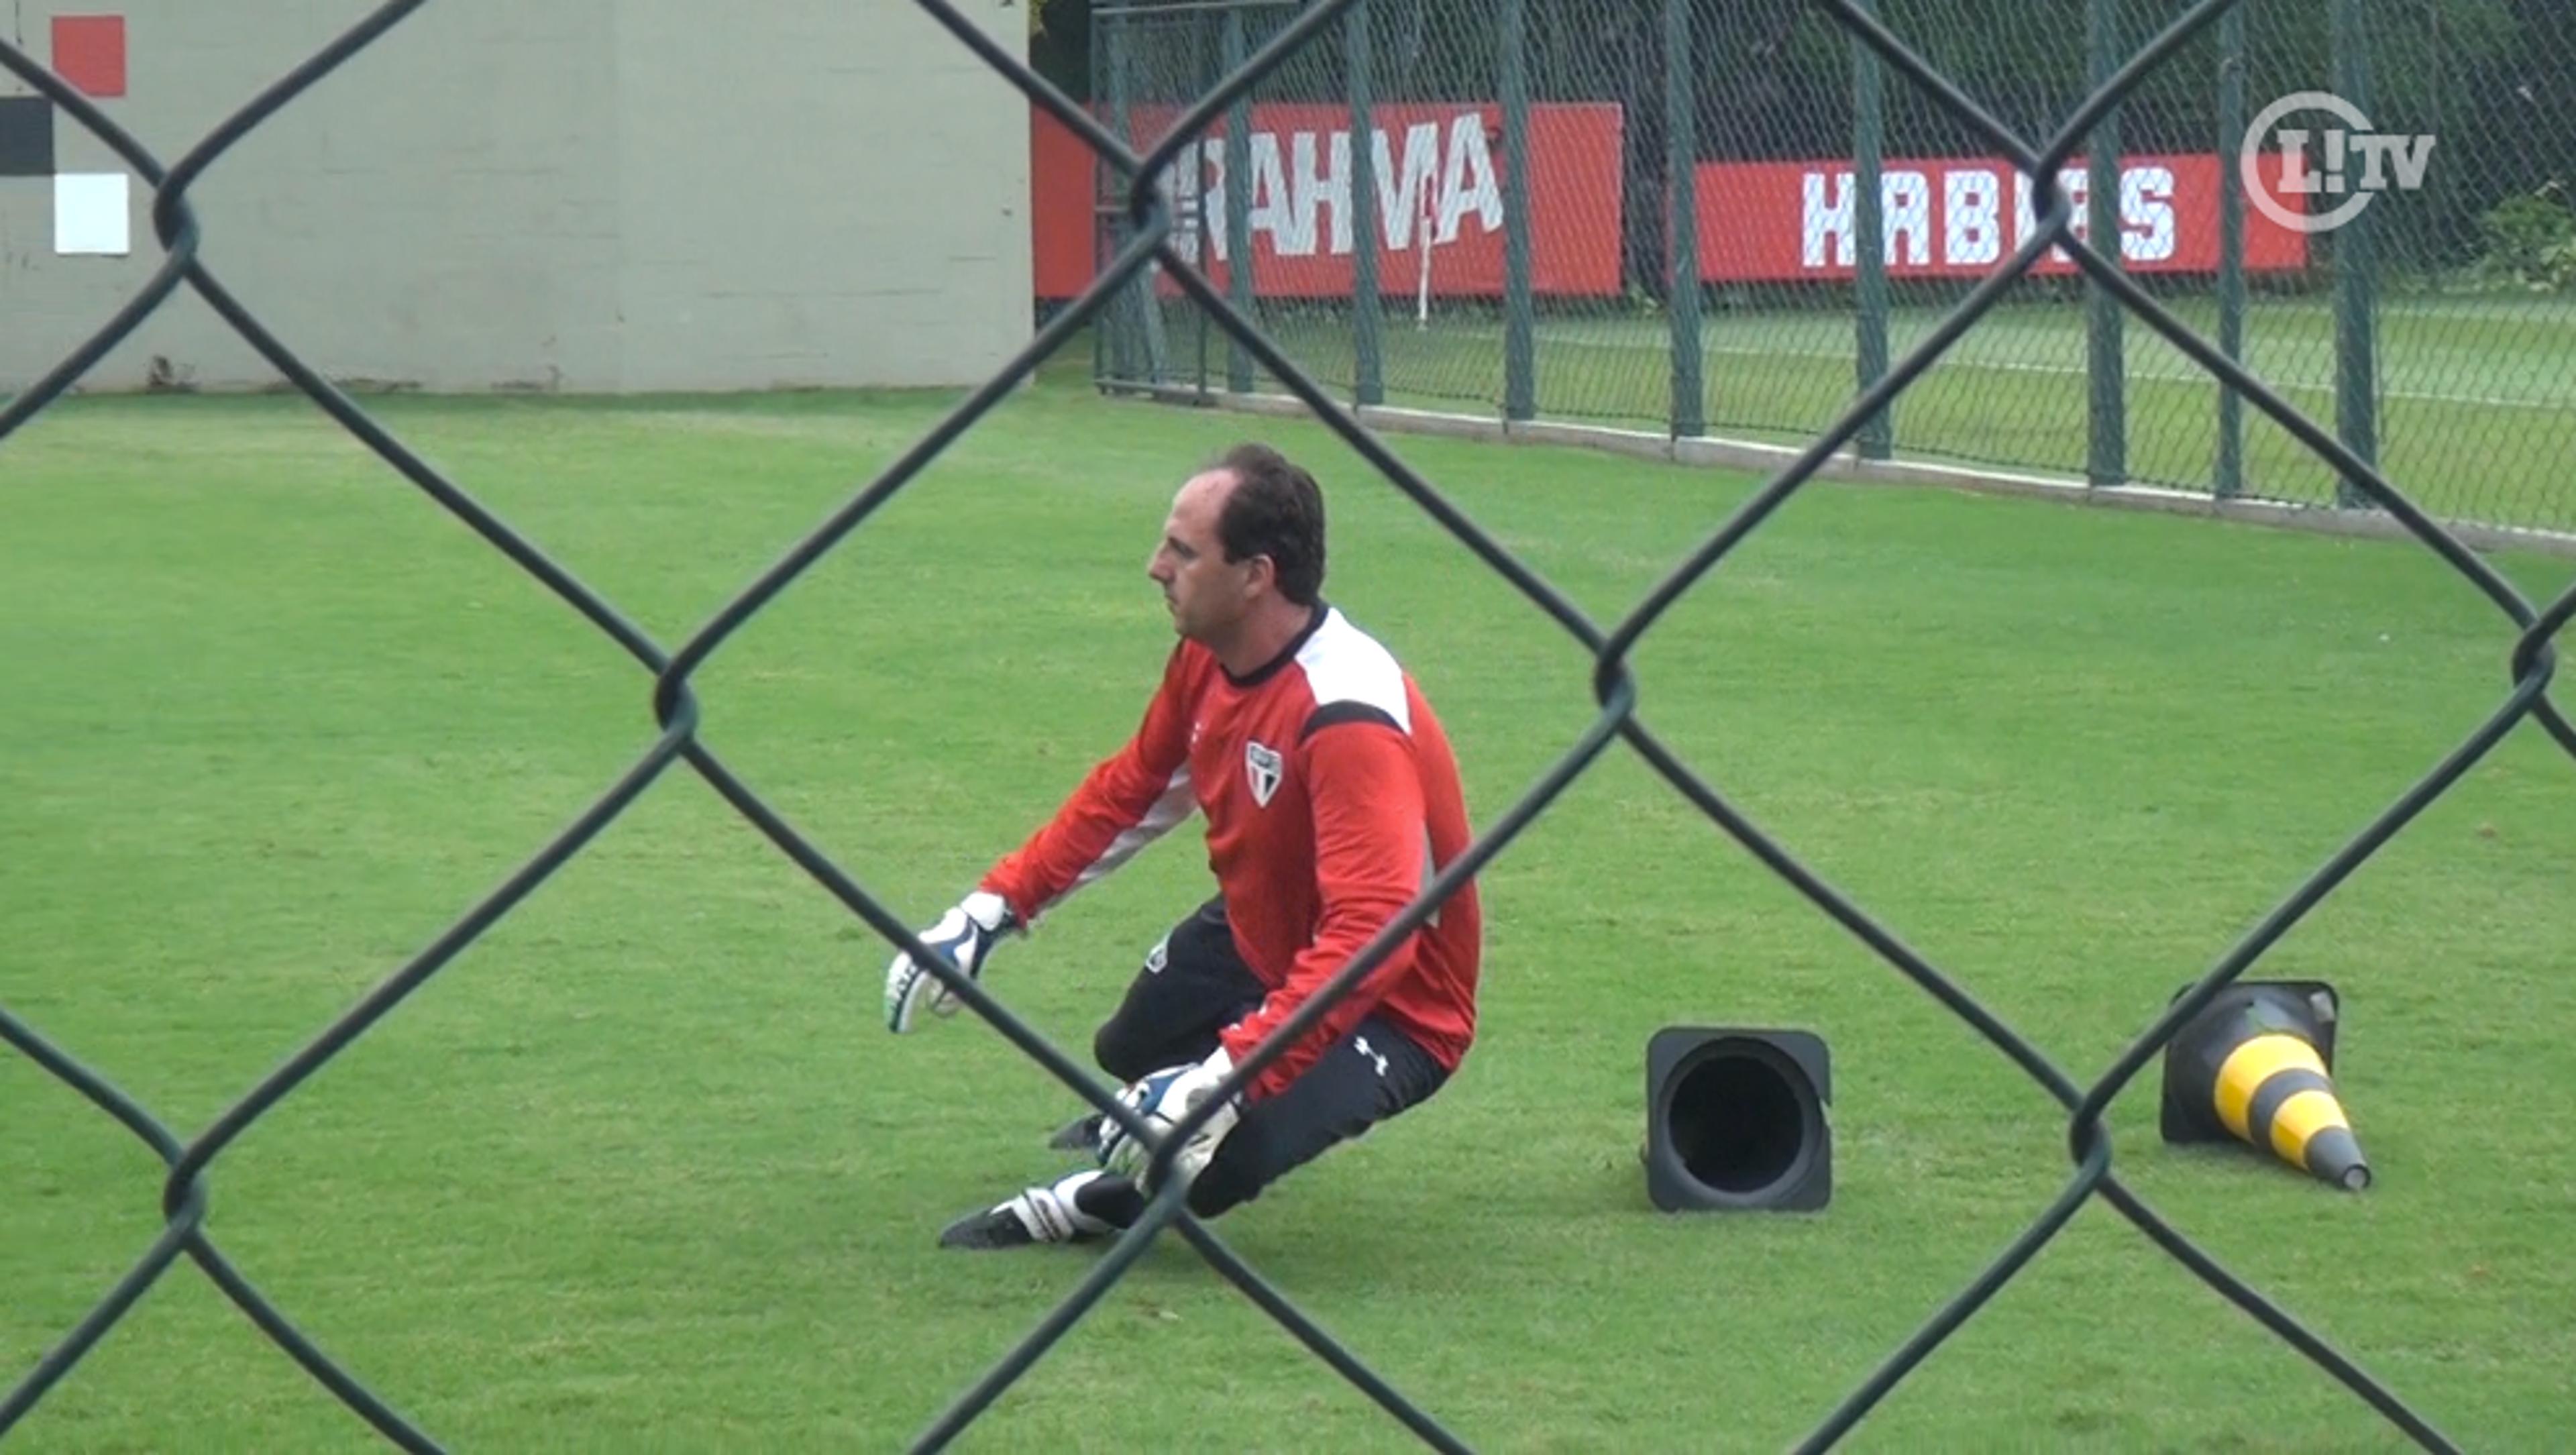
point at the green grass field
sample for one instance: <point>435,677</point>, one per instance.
<point>640,1170</point>
<point>2477,406</point>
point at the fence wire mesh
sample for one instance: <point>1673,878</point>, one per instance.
<point>1156,240</point>
<point>2436,329</point>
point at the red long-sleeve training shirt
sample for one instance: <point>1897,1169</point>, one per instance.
<point>1331,799</point>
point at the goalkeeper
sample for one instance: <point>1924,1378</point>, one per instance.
<point>1331,801</point>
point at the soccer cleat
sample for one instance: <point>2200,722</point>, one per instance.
<point>1044,1214</point>
<point>1079,1135</point>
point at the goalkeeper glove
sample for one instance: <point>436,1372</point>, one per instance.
<point>1162,1100</point>
<point>965,935</point>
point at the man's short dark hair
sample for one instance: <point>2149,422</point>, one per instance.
<point>1277,510</point>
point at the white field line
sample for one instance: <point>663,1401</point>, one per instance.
<point>1955,360</point>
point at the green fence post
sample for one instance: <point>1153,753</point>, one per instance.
<point>1116,347</point>
<point>1202,74</point>
<point>1520,352</point>
<point>1681,190</point>
<point>2356,284</point>
<point>1096,61</point>
<point>1368,380</point>
<point>1877,439</point>
<point>1238,207</point>
<point>1138,351</point>
<point>2229,480</point>
<point>2106,461</point>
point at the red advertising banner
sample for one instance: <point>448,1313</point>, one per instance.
<point>1060,201</point>
<point>1438,184</point>
<point>1955,217</point>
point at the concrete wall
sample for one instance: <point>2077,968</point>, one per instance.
<point>579,195</point>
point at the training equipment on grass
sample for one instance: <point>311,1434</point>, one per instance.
<point>1735,1119</point>
<point>2257,1065</point>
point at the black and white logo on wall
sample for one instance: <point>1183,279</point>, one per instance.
<point>93,207</point>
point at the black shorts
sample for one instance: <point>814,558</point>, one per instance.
<point>1193,985</point>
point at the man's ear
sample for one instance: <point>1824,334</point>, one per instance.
<point>1261,571</point>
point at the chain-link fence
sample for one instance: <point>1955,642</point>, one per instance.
<point>1757,143</point>
<point>1154,231</point>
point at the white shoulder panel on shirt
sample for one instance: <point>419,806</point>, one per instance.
<point>1344,664</point>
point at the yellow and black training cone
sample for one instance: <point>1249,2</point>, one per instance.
<point>2257,1065</point>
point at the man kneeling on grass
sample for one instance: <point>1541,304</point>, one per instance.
<point>1331,800</point>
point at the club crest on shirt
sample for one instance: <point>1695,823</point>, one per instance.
<point>1262,766</point>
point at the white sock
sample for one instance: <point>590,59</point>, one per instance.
<point>1051,1213</point>
<point>1067,1191</point>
